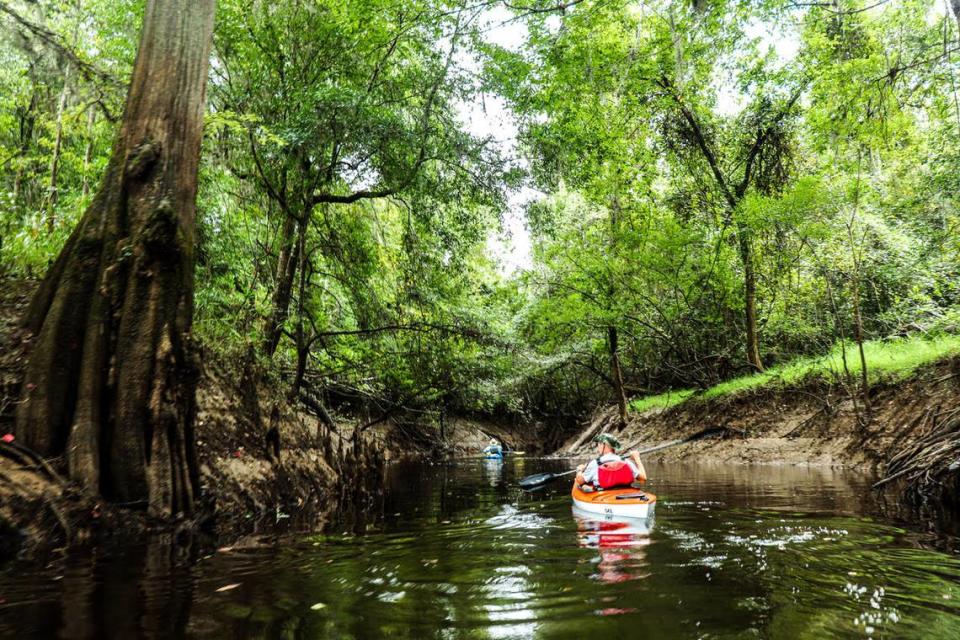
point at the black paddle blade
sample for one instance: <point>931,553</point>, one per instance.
<point>535,480</point>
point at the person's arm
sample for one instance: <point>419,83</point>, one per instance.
<point>641,472</point>
<point>587,473</point>
<point>579,479</point>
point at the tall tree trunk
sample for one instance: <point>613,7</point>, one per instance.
<point>858,335</point>
<point>443,420</point>
<point>303,345</point>
<point>286,270</point>
<point>617,373</point>
<point>88,149</point>
<point>750,298</point>
<point>111,375</point>
<point>52,196</point>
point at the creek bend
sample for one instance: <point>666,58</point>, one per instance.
<point>459,552</point>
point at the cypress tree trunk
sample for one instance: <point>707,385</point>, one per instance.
<point>613,342</point>
<point>111,375</point>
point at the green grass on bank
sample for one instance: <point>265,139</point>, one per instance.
<point>887,361</point>
<point>662,401</point>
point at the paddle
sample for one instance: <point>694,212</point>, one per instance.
<point>538,479</point>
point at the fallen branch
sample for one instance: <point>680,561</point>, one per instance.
<point>586,435</point>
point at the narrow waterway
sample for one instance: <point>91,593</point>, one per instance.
<point>458,552</point>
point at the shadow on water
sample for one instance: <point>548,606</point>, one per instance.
<point>454,550</point>
<point>134,591</point>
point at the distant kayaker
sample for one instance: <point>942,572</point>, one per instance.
<point>609,469</point>
<point>494,448</point>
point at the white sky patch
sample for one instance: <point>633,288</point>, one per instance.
<point>783,40</point>
<point>501,28</point>
<point>490,117</point>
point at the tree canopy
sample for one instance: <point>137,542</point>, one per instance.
<point>721,187</point>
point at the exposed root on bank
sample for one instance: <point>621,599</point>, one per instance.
<point>931,457</point>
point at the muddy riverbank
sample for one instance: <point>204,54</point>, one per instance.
<point>816,424</point>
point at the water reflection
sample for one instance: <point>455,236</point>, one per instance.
<point>509,596</point>
<point>135,591</point>
<point>493,471</point>
<point>621,543</point>
<point>459,552</point>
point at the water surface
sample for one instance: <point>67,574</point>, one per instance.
<point>457,552</point>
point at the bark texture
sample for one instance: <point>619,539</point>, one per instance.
<point>286,271</point>
<point>111,377</point>
<point>750,298</point>
<point>613,342</point>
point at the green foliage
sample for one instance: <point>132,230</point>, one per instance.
<point>671,138</point>
<point>678,147</point>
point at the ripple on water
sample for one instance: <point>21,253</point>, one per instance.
<point>769,554</point>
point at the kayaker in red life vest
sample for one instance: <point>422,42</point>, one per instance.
<point>609,469</point>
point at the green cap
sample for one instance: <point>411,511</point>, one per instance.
<point>608,439</point>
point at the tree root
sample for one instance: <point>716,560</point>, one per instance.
<point>930,457</point>
<point>48,501</point>
<point>29,458</point>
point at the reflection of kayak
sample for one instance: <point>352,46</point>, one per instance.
<point>621,543</point>
<point>611,532</point>
<point>627,502</point>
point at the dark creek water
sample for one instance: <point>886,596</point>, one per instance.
<point>733,552</point>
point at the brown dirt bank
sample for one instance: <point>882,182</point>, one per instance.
<point>813,424</point>
<point>914,435</point>
<point>245,488</point>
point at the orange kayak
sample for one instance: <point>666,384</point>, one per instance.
<point>625,503</point>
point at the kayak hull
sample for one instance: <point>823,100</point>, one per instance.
<point>624,503</point>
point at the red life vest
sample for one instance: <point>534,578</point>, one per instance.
<point>615,473</point>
